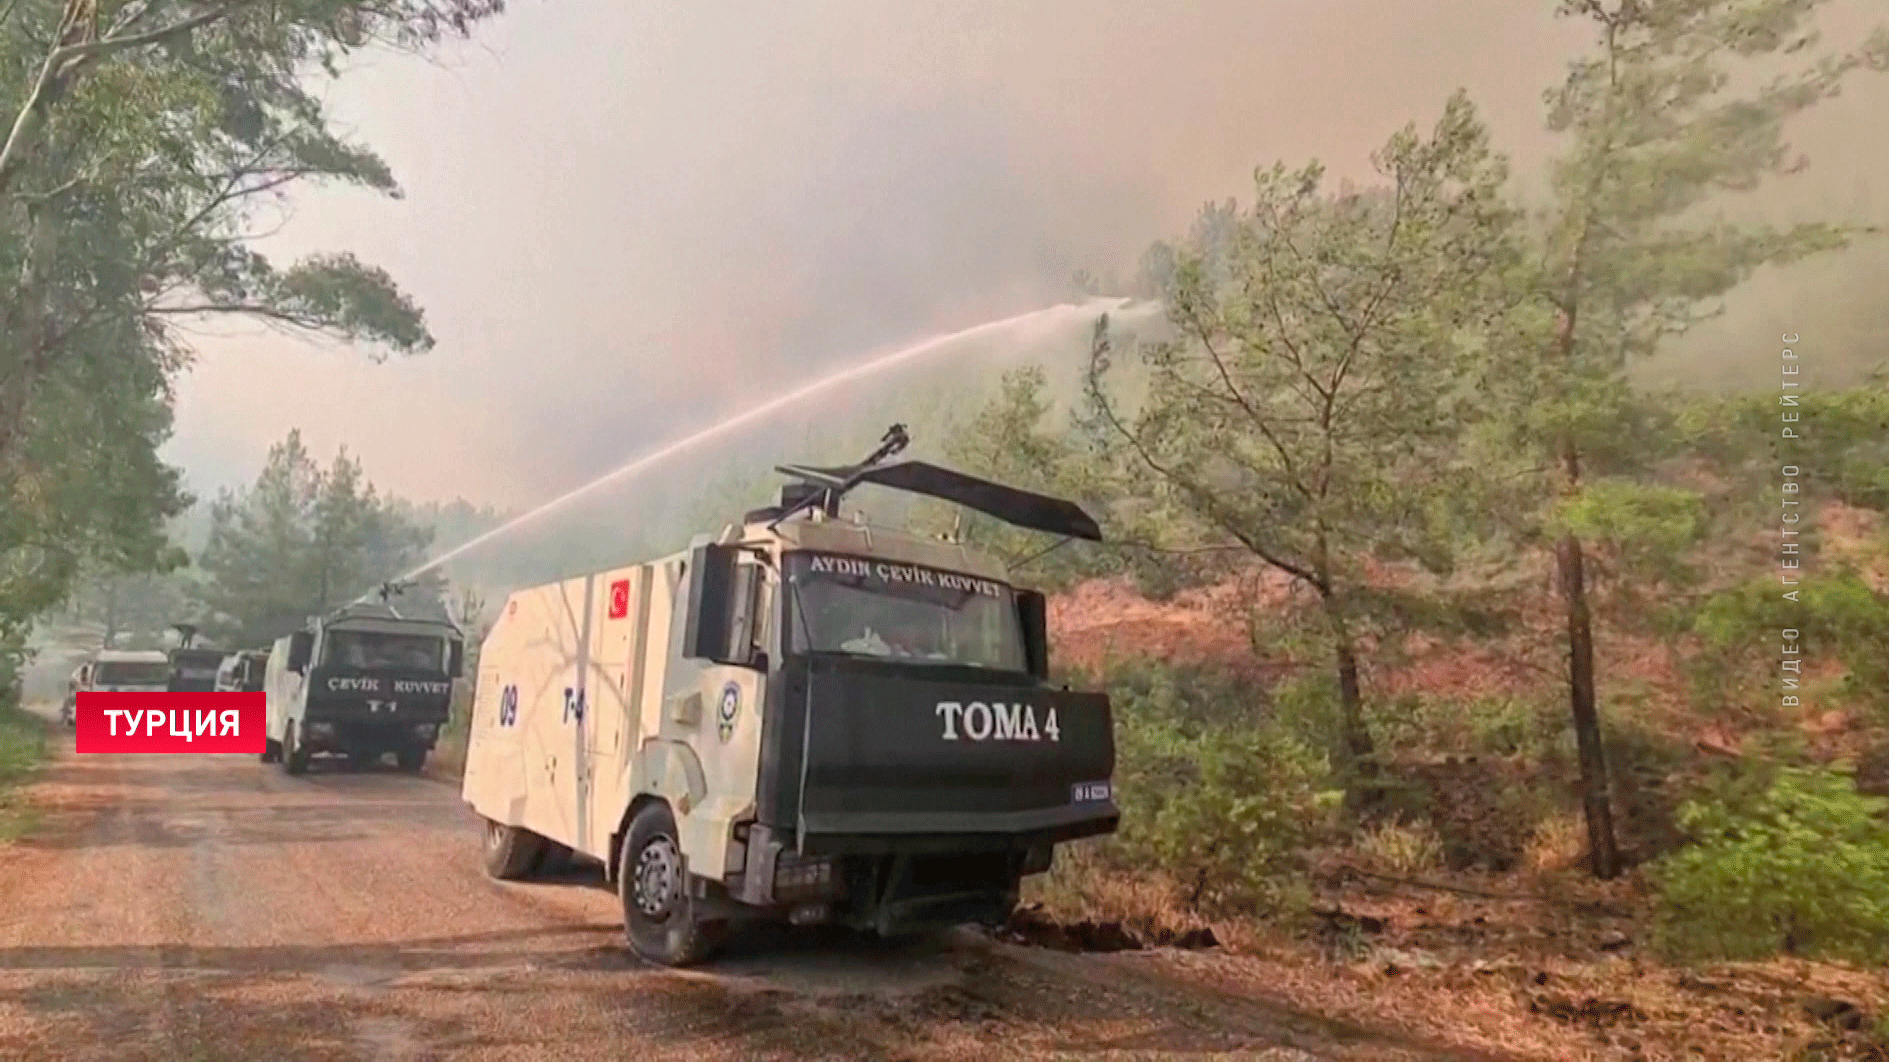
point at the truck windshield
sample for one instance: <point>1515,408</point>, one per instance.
<point>863,607</point>
<point>380,649</point>
<point>195,667</point>
<point>131,673</point>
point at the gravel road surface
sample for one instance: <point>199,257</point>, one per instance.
<point>206,908</point>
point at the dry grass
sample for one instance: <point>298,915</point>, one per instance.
<point>1081,887</point>
<point>1537,965</point>
<point>1558,843</point>
<point>1401,848</point>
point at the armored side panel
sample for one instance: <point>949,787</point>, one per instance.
<point>525,757</point>
<point>584,703</point>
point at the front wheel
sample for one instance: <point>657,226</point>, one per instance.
<point>659,916</point>
<point>294,756</point>
<point>411,759</point>
<point>271,751</point>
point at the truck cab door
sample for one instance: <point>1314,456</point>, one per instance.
<point>618,666</point>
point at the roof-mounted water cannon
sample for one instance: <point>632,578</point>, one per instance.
<point>894,441</point>
<point>186,634</point>
<point>822,488</point>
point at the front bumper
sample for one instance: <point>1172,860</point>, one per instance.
<point>336,735</point>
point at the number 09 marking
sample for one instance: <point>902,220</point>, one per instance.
<point>508,706</point>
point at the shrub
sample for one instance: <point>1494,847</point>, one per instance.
<point>1838,617</point>
<point>1400,847</point>
<point>1213,792</point>
<point>1801,868</point>
<point>14,657</point>
<point>1476,726</point>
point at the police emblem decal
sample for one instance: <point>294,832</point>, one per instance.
<point>730,707</point>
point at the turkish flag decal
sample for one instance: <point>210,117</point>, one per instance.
<point>619,599</point>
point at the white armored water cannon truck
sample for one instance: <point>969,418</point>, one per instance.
<point>361,683</point>
<point>806,719</point>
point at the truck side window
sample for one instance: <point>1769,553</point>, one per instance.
<point>748,632</point>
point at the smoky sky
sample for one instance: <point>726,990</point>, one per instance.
<point>628,218</point>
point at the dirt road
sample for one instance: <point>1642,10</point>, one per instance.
<point>200,909</point>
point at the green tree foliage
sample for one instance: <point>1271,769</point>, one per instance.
<point>1838,619</point>
<point>15,656</point>
<point>1309,411</point>
<point>127,610</point>
<point>1654,131</point>
<point>144,145</point>
<point>1841,442</point>
<point>88,489</point>
<point>1013,440</point>
<point>303,541</point>
<point>1803,869</point>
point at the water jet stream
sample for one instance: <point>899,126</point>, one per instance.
<point>683,445</point>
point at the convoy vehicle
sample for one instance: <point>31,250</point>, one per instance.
<point>243,672</point>
<point>361,683</point>
<point>804,718</point>
<point>116,670</point>
<point>193,670</point>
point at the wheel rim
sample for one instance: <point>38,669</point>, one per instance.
<point>658,873</point>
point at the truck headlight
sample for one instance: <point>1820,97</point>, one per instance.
<point>321,730</point>
<point>424,730</point>
<point>796,875</point>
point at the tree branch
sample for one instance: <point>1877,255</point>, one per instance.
<point>1201,496</point>
<point>249,309</point>
<point>75,55</point>
<point>66,61</point>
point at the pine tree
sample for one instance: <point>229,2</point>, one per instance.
<point>1655,134</point>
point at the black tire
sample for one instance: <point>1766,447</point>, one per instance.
<point>511,853</point>
<point>294,756</point>
<point>659,916</point>
<point>411,760</point>
<point>271,751</point>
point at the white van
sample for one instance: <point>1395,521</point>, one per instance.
<point>116,670</point>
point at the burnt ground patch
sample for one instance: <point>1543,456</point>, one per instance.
<point>1031,927</point>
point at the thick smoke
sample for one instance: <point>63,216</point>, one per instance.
<point>628,218</point>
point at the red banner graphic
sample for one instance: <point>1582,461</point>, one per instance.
<point>171,722</point>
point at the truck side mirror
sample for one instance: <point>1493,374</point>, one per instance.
<point>455,658</point>
<point>301,644</point>
<point>1033,617</point>
<point>709,617</point>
